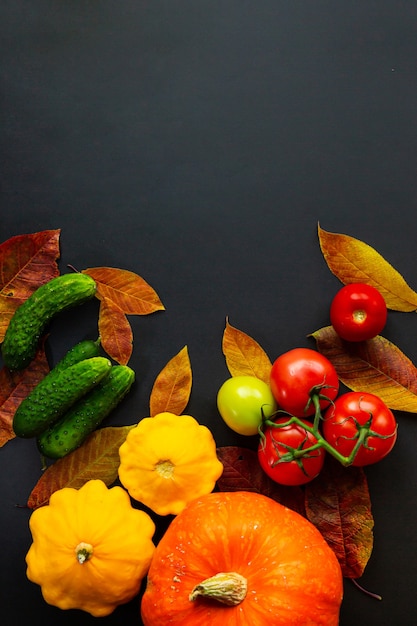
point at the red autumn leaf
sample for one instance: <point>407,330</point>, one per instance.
<point>242,472</point>
<point>26,263</point>
<point>377,366</point>
<point>115,332</point>
<point>244,356</point>
<point>14,387</point>
<point>172,387</point>
<point>338,504</point>
<point>128,291</point>
<point>97,458</point>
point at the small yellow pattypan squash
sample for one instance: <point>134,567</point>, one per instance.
<point>167,461</point>
<point>91,549</point>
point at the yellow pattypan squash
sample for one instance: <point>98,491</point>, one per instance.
<point>167,461</point>
<point>91,549</point>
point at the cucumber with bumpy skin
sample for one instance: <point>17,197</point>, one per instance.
<point>85,349</point>
<point>54,395</point>
<point>31,318</point>
<point>72,429</point>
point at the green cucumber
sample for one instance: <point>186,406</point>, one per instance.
<point>54,395</point>
<point>69,432</point>
<point>85,349</point>
<point>31,318</point>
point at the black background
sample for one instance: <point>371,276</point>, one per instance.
<point>199,143</point>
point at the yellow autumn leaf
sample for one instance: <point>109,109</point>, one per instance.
<point>97,458</point>
<point>172,387</point>
<point>376,366</point>
<point>244,356</point>
<point>353,261</point>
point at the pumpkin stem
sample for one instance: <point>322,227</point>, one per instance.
<point>83,552</point>
<point>226,587</point>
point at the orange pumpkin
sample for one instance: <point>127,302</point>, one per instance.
<point>242,559</point>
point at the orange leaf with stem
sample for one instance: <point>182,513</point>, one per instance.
<point>172,387</point>
<point>376,366</point>
<point>26,263</point>
<point>97,457</point>
<point>14,387</point>
<point>128,291</point>
<point>353,261</point>
<point>115,332</point>
<point>244,356</point>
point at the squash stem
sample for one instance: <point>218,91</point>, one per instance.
<point>83,552</point>
<point>229,588</point>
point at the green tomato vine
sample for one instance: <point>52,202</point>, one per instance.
<point>363,433</point>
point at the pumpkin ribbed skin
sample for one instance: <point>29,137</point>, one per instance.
<point>91,549</point>
<point>293,577</point>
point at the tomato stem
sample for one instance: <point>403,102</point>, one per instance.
<point>317,415</point>
<point>298,453</point>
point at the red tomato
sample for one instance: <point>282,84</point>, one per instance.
<point>350,411</point>
<point>298,373</point>
<point>358,312</point>
<point>276,444</point>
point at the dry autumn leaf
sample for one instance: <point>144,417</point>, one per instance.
<point>26,263</point>
<point>339,505</point>
<point>172,387</point>
<point>354,261</point>
<point>376,366</point>
<point>128,291</point>
<point>97,458</point>
<point>121,293</point>
<point>116,334</point>
<point>244,356</point>
<point>242,472</point>
<point>14,387</point>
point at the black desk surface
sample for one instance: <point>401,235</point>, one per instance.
<point>198,143</point>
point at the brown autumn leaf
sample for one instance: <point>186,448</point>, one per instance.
<point>376,366</point>
<point>172,387</point>
<point>353,261</point>
<point>8,306</point>
<point>244,356</point>
<point>338,504</point>
<point>128,291</point>
<point>97,458</point>
<point>14,387</point>
<point>116,334</point>
<point>26,263</point>
<point>242,472</point>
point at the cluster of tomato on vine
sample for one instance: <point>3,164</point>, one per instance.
<point>301,415</point>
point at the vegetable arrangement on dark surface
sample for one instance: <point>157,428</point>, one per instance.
<point>313,439</point>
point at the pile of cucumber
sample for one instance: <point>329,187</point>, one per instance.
<point>80,391</point>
